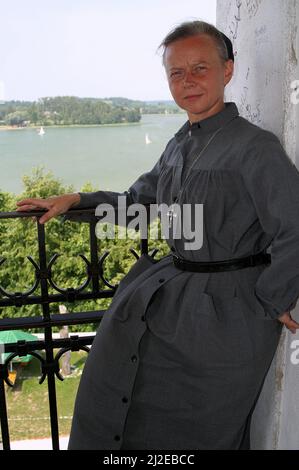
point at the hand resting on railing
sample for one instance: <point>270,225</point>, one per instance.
<point>55,205</point>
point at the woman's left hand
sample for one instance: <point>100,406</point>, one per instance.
<point>288,322</point>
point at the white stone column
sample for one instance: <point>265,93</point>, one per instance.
<point>265,34</point>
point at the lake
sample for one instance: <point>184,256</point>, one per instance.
<point>109,157</point>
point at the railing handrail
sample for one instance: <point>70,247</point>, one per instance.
<point>48,320</point>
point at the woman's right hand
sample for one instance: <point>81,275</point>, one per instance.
<point>55,205</point>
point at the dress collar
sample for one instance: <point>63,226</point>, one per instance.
<point>211,123</point>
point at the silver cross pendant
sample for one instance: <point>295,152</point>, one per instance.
<point>171,215</point>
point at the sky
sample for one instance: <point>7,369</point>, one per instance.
<point>89,48</point>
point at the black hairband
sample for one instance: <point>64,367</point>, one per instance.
<point>229,47</point>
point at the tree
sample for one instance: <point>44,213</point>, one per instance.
<point>18,240</point>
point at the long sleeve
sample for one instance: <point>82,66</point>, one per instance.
<point>272,181</point>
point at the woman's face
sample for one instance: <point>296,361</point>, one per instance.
<point>197,75</point>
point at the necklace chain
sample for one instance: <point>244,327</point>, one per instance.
<point>195,160</point>
<point>171,212</point>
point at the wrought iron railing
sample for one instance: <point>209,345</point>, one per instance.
<point>90,289</point>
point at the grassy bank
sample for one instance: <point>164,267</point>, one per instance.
<point>28,405</point>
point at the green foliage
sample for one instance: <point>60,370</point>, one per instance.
<point>67,110</point>
<point>71,110</point>
<point>18,239</point>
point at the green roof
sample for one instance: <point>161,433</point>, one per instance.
<point>13,336</point>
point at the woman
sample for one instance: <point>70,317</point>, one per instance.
<point>180,357</point>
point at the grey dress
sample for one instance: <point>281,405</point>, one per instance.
<point>179,358</point>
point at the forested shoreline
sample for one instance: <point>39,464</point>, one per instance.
<point>71,110</point>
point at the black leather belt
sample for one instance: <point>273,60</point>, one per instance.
<point>225,265</point>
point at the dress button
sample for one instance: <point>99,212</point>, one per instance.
<point>125,400</point>
<point>134,358</point>
<point>143,318</point>
<point>161,280</point>
<point>117,438</point>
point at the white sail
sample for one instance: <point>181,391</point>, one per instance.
<point>147,139</point>
<point>41,131</point>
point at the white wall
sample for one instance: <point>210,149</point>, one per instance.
<point>265,38</point>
